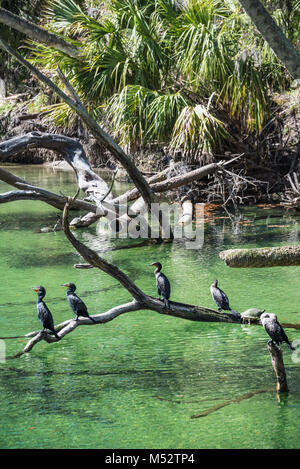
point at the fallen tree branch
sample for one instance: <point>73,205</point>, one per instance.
<point>70,149</point>
<point>94,259</point>
<point>171,183</point>
<point>31,192</point>
<point>141,301</point>
<point>261,257</point>
<point>70,325</point>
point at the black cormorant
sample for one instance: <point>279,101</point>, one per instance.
<point>44,313</point>
<point>162,284</point>
<point>274,329</point>
<point>77,305</point>
<point>220,298</point>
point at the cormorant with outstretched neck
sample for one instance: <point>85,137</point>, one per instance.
<point>76,303</point>
<point>44,313</point>
<point>220,298</point>
<point>274,329</point>
<point>162,284</point>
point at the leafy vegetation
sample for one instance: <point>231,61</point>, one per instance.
<point>192,75</point>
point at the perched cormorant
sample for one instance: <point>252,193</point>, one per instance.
<point>274,329</point>
<point>220,298</point>
<point>162,284</point>
<point>77,305</point>
<point>44,313</point>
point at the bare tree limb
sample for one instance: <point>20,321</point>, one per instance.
<point>70,88</point>
<point>171,183</point>
<point>37,33</point>
<point>70,149</point>
<point>96,130</point>
<point>31,192</point>
<point>141,301</point>
<point>94,259</point>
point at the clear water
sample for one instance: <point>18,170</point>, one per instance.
<point>135,382</point>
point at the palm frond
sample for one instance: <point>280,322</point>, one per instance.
<point>64,15</point>
<point>126,112</point>
<point>198,129</point>
<point>162,114</point>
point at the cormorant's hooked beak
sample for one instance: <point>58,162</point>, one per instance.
<point>35,289</point>
<point>65,285</point>
<point>154,263</point>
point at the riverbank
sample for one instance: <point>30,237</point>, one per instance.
<point>258,176</point>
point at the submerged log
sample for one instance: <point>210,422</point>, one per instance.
<point>262,257</point>
<point>278,365</point>
<point>235,400</point>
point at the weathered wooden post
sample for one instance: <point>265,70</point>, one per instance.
<point>278,365</point>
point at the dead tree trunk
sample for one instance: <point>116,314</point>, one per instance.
<point>278,365</point>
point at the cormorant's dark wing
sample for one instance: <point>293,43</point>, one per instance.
<point>270,329</point>
<point>220,298</point>
<point>45,316</point>
<point>282,337</point>
<point>163,285</point>
<point>77,305</point>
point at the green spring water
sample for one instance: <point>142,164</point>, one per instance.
<point>136,381</point>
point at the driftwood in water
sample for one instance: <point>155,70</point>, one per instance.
<point>262,257</point>
<point>278,365</point>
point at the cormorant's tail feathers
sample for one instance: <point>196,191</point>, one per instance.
<point>92,319</point>
<point>290,346</point>
<point>234,312</point>
<point>167,303</point>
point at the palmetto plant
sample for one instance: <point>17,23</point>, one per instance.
<point>165,72</point>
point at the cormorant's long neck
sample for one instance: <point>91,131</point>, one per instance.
<point>157,270</point>
<point>70,291</point>
<point>40,297</point>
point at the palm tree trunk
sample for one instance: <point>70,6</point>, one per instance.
<point>267,27</point>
